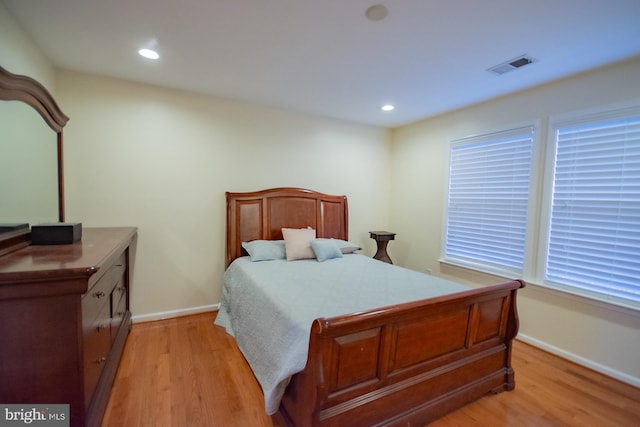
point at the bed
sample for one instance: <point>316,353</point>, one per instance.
<point>418,348</point>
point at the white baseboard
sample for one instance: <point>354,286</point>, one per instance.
<point>621,376</point>
<point>174,313</point>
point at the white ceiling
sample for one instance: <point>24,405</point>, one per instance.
<point>324,57</point>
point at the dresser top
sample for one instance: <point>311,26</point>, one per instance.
<point>55,262</point>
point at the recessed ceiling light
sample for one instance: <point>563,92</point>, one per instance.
<point>387,107</point>
<point>149,53</point>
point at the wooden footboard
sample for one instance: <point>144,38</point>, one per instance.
<point>408,364</point>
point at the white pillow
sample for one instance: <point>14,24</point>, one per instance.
<point>297,243</point>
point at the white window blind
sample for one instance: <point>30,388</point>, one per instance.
<point>489,180</point>
<point>594,235</point>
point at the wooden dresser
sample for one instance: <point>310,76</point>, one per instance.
<point>64,320</point>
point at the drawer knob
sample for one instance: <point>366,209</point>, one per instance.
<point>99,294</point>
<point>100,360</point>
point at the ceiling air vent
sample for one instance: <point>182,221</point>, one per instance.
<point>514,64</point>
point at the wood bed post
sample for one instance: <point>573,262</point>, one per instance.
<point>513,325</point>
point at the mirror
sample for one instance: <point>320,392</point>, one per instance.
<point>28,166</point>
<point>30,155</point>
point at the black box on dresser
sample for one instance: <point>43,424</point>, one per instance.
<point>58,233</point>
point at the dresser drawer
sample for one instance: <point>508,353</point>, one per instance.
<point>100,293</point>
<point>94,301</point>
<point>119,266</point>
<point>97,343</point>
<point>118,306</point>
<point>115,269</point>
<point>97,307</point>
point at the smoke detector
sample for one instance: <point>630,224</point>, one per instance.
<point>377,12</point>
<point>512,65</point>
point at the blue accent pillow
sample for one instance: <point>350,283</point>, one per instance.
<point>265,250</point>
<point>346,247</point>
<point>326,249</point>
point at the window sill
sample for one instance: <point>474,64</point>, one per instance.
<point>482,278</point>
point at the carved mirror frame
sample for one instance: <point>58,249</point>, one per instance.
<point>14,87</point>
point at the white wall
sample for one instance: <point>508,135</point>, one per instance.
<point>19,55</point>
<point>598,335</point>
<point>162,159</point>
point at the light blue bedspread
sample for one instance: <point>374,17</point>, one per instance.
<point>269,306</point>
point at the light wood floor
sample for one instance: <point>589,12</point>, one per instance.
<point>187,372</point>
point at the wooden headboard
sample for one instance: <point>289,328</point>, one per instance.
<point>262,215</point>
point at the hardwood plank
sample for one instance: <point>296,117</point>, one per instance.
<point>186,371</point>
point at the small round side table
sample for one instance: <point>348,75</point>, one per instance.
<point>382,239</point>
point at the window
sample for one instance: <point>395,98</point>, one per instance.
<point>593,238</point>
<point>580,233</point>
<point>489,181</point>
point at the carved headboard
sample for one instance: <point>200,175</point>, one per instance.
<point>262,215</point>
